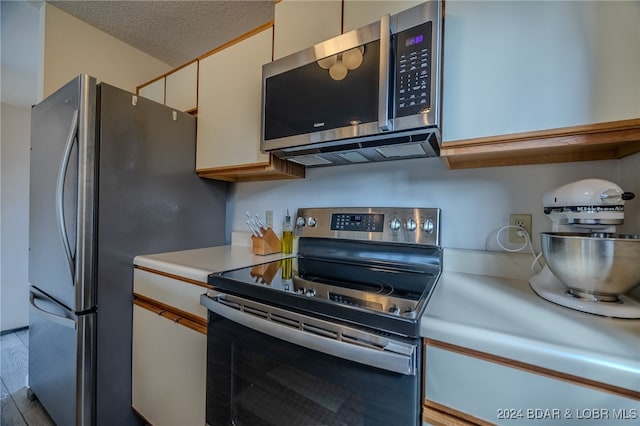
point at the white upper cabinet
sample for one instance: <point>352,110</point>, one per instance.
<point>229,110</point>
<point>300,24</point>
<point>182,88</point>
<point>358,13</point>
<point>153,90</point>
<point>520,66</point>
<point>177,89</point>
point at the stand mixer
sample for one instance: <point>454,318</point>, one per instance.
<point>587,266</point>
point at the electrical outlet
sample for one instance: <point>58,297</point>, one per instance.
<point>268,218</point>
<point>522,221</point>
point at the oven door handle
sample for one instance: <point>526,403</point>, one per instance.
<point>315,334</point>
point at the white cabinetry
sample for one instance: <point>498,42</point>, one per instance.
<point>177,89</point>
<point>229,103</point>
<point>153,90</point>
<point>358,13</point>
<point>301,24</point>
<point>169,350</point>
<point>472,389</point>
<point>519,66</point>
<point>182,88</point>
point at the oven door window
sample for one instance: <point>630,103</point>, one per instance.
<point>255,379</point>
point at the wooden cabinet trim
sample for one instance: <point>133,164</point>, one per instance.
<point>530,368</point>
<point>173,276</point>
<point>236,40</point>
<point>441,415</point>
<point>600,141</point>
<point>176,315</point>
<point>274,169</point>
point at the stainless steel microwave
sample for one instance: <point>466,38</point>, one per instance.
<point>371,94</point>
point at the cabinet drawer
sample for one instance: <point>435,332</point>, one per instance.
<point>502,394</point>
<point>182,295</point>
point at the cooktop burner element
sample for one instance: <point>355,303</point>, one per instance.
<point>375,267</point>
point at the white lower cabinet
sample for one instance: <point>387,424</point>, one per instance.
<point>169,365</point>
<point>471,388</point>
<point>169,359</point>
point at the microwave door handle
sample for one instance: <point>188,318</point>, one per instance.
<point>62,172</point>
<point>384,123</point>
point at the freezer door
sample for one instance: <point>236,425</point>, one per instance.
<point>61,212</point>
<point>60,361</point>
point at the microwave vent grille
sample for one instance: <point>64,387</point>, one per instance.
<point>404,150</point>
<point>393,147</point>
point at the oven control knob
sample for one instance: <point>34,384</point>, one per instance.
<point>311,221</point>
<point>410,225</point>
<point>310,293</point>
<point>427,226</point>
<point>300,221</point>
<point>395,224</point>
<point>300,291</point>
<point>393,309</point>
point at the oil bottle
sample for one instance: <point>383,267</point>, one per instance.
<point>287,235</point>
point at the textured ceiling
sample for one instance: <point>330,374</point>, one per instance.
<point>174,32</point>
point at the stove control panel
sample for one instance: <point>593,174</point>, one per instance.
<point>368,222</point>
<point>384,224</point>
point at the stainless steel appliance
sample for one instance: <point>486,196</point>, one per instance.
<point>331,335</point>
<point>371,94</point>
<point>111,177</point>
<point>588,267</point>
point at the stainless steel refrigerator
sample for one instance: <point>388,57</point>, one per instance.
<point>112,177</point>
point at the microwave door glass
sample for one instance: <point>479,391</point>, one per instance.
<point>324,94</point>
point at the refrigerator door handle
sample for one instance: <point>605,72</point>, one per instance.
<point>58,319</point>
<point>62,172</point>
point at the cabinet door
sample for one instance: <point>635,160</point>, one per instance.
<point>301,24</point>
<point>514,67</point>
<point>358,13</point>
<point>182,88</point>
<point>153,91</point>
<point>169,365</point>
<point>229,110</point>
<point>496,393</point>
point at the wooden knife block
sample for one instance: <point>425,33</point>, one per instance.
<point>269,243</point>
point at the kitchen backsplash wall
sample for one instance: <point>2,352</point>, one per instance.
<point>475,203</point>
<point>630,178</point>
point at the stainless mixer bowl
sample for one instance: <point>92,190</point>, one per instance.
<point>599,266</point>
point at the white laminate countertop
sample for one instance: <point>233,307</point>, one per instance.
<point>482,302</point>
<point>501,315</point>
<point>197,264</point>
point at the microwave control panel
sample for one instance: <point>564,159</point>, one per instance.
<point>413,70</point>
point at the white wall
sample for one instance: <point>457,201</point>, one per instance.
<point>72,47</point>
<point>14,227</point>
<point>630,181</point>
<point>475,203</point>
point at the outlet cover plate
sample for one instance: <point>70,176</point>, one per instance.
<point>522,220</point>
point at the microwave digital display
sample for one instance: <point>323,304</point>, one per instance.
<point>414,40</point>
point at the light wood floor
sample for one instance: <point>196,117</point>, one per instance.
<point>16,409</point>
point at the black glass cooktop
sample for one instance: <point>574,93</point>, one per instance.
<point>378,296</point>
